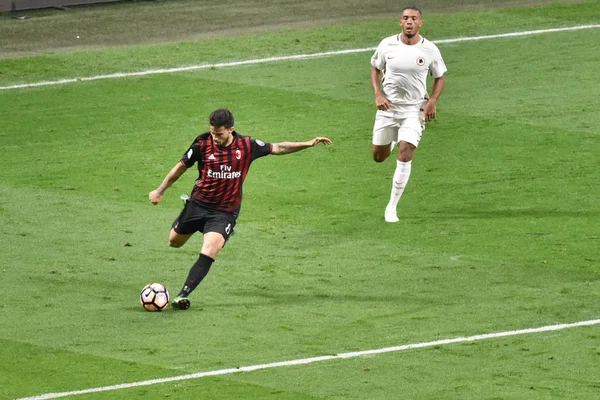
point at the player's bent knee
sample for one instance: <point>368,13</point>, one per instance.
<point>381,153</point>
<point>175,243</point>
<point>176,240</point>
<point>379,158</point>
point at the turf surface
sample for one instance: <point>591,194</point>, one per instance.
<point>499,223</point>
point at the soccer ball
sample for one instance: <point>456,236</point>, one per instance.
<point>154,297</point>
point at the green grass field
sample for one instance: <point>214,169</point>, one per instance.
<point>499,230</point>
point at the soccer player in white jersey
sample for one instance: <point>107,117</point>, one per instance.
<point>403,105</point>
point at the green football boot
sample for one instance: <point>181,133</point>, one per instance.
<point>180,303</point>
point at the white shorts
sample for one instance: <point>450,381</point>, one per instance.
<point>390,127</point>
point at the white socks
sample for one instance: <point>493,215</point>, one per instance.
<point>399,182</point>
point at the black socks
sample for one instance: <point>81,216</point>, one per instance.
<point>197,273</point>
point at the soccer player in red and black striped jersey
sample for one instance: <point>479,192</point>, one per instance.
<point>223,157</point>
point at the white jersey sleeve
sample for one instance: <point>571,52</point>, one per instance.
<point>378,59</point>
<point>437,66</point>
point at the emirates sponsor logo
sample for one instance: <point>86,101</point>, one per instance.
<point>224,172</point>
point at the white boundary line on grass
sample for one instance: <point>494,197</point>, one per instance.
<point>311,360</point>
<point>281,58</point>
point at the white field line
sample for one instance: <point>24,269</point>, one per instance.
<point>314,360</point>
<point>275,59</point>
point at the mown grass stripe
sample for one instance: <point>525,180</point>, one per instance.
<point>312,360</point>
<point>280,58</point>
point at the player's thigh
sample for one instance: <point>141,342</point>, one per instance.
<point>217,231</point>
<point>385,129</point>
<point>211,245</point>
<point>177,239</point>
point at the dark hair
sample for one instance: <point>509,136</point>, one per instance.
<point>221,117</point>
<point>412,8</point>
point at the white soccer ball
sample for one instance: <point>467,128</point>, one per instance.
<point>154,297</point>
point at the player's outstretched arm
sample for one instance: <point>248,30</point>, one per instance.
<point>292,147</point>
<point>156,195</point>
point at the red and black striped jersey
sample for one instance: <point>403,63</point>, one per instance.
<point>222,170</point>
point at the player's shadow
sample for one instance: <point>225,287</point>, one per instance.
<point>259,297</point>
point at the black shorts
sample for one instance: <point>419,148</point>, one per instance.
<point>196,218</point>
